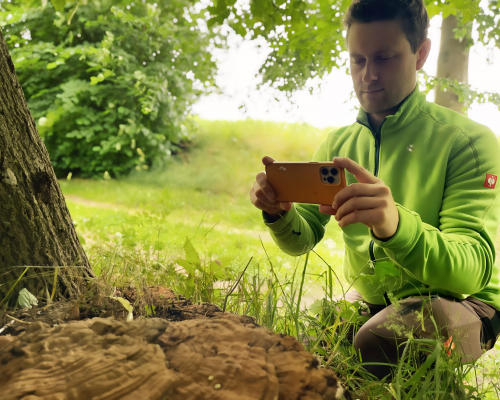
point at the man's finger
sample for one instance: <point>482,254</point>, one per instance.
<point>261,206</point>
<point>256,202</point>
<point>361,174</point>
<point>260,195</point>
<point>366,217</point>
<point>354,190</point>
<point>261,180</point>
<point>286,205</point>
<point>267,160</point>
<point>328,210</point>
<point>358,204</point>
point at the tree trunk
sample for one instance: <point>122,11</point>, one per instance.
<point>35,225</point>
<point>453,63</point>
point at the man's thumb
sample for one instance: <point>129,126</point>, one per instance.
<point>267,160</point>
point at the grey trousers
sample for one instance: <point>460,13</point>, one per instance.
<point>379,340</point>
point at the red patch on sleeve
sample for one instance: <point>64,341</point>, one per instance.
<point>491,181</point>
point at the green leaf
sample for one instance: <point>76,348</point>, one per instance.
<point>149,310</point>
<point>58,4</point>
<point>54,64</point>
<point>26,299</point>
<point>190,281</point>
<point>386,268</point>
<point>218,271</point>
<point>348,311</point>
<point>71,14</point>
<point>189,286</point>
<point>191,254</point>
<point>188,266</point>
<point>126,304</point>
<point>316,307</point>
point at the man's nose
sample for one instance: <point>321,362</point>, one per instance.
<point>370,72</point>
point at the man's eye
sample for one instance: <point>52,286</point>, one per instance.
<point>359,61</point>
<point>384,58</point>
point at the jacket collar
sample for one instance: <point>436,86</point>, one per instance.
<point>403,116</point>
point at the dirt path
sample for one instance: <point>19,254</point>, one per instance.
<point>101,205</point>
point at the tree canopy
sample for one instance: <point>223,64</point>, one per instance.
<point>307,37</point>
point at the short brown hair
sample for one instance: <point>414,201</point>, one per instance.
<point>412,13</point>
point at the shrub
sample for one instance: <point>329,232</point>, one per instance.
<point>111,90</point>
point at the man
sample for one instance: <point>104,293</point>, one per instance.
<point>421,210</point>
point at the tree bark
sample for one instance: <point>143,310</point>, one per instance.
<point>35,225</point>
<point>453,63</point>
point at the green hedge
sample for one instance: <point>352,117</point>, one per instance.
<point>112,90</point>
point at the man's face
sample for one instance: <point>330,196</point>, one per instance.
<point>383,66</point>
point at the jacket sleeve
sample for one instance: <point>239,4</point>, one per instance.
<point>459,256</point>
<point>301,228</point>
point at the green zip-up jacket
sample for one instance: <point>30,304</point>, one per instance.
<point>441,168</point>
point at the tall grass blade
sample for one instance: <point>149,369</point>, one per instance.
<point>236,284</point>
<point>424,367</point>
<point>300,294</point>
<point>56,270</point>
<point>15,284</point>
<point>330,269</point>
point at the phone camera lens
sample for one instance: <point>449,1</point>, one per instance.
<point>330,179</point>
<point>334,171</point>
<point>324,171</point>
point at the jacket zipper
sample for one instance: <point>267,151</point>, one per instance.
<point>377,137</point>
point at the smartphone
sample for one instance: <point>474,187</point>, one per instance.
<point>305,182</point>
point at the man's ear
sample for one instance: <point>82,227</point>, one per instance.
<point>423,53</point>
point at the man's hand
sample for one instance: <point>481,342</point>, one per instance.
<point>262,195</point>
<point>369,202</point>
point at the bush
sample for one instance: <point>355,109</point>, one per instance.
<point>111,91</point>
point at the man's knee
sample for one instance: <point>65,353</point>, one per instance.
<point>372,333</point>
<point>377,346</point>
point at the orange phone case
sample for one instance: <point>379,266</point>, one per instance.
<point>305,182</point>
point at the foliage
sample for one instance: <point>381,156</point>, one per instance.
<point>111,91</point>
<point>488,26</point>
<point>205,273</point>
<point>307,38</point>
<point>426,368</point>
<point>465,93</point>
<point>126,304</point>
<point>26,299</point>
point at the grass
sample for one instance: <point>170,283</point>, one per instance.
<point>190,226</point>
<point>202,196</point>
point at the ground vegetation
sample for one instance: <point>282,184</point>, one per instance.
<point>159,229</point>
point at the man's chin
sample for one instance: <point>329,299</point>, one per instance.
<point>373,109</point>
<point>376,107</point>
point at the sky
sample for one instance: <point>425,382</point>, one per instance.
<point>331,107</point>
